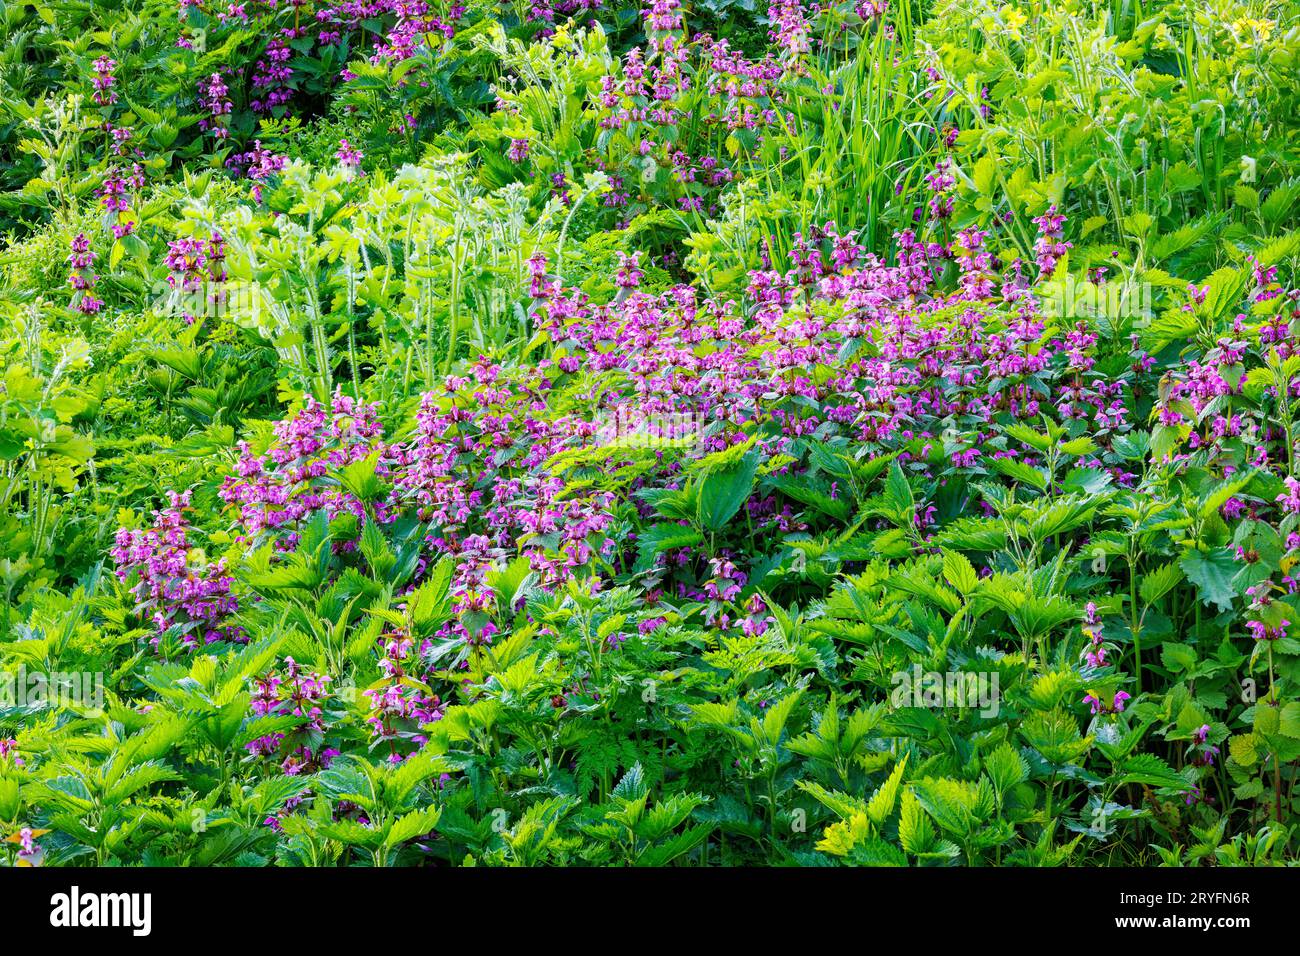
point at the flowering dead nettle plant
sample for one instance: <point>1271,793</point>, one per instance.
<point>589,433</point>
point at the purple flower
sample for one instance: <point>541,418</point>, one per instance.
<point>103,81</point>
<point>8,751</point>
<point>348,155</point>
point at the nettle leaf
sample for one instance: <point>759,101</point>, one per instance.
<point>633,784</point>
<point>1152,771</point>
<point>1040,615</point>
<point>274,793</point>
<point>374,548</point>
<point>1055,516</point>
<point>1177,657</point>
<point>1212,572</point>
<point>1006,768</point>
<point>959,572</point>
<point>1289,720</point>
<point>413,824</point>
<point>352,833</point>
<point>899,500</point>
<point>915,831</point>
<point>837,508</point>
<point>1225,288</point>
<point>1156,584</point>
<point>956,805</point>
<point>1055,687</point>
<point>777,715</point>
<point>875,851</point>
<point>723,489</point>
<point>1079,447</point>
<point>1243,750</point>
<point>1219,496</point>
<point>661,538</point>
<point>1023,433</point>
<point>138,778</point>
<point>973,534</point>
<point>361,480</point>
<point>676,505</point>
<point>722,716</point>
<point>881,804</point>
<point>1055,735</point>
<point>664,853</point>
<point>1089,481</point>
<point>843,804</point>
<point>839,839</point>
<point>511,584</point>
<point>1024,474</point>
<point>265,726</point>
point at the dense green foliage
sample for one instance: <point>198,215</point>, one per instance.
<point>556,433</point>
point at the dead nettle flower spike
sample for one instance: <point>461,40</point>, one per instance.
<point>174,586</point>
<point>274,492</point>
<point>1049,247</point>
<point>214,98</point>
<point>104,81</point>
<point>83,277</point>
<point>349,156</point>
<point>258,164</point>
<point>518,151</point>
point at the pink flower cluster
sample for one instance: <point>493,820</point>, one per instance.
<point>400,705</point>
<point>83,277</point>
<point>348,156</point>
<point>258,164</point>
<point>276,491</point>
<point>196,267</point>
<point>177,590</point>
<point>9,752</point>
<point>214,98</point>
<point>114,193</point>
<point>1095,653</point>
<point>292,691</point>
<point>659,87</point>
<point>1049,248</point>
<point>103,82</point>
<point>1098,704</point>
<point>479,466</point>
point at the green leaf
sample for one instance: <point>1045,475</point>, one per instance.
<point>915,831</point>
<point>661,538</point>
<point>412,825</point>
<point>898,495</point>
<point>1156,584</point>
<point>959,572</point>
<point>881,804</point>
<point>1019,472</point>
<point>724,489</point>
<point>1152,771</point>
<point>1212,572</point>
<point>1006,768</point>
<point>1177,657</point>
<point>360,478</point>
<point>1289,720</point>
<point>633,785</point>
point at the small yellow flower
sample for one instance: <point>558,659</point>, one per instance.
<point>1249,31</point>
<point>1013,19</point>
